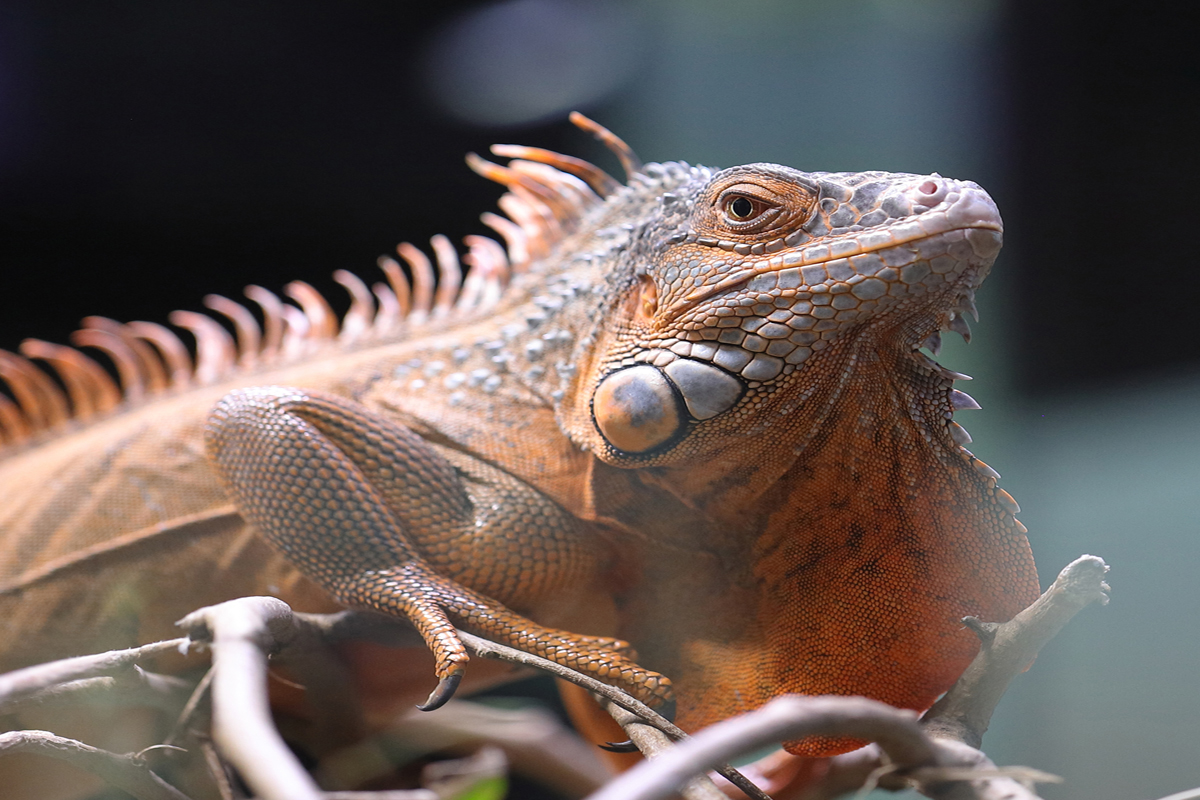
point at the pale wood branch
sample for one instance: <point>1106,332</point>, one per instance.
<point>266,625</point>
<point>1008,648</point>
<point>1190,794</point>
<point>131,685</point>
<point>962,772</point>
<point>374,627</point>
<point>652,743</point>
<point>196,713</point>
<point>126,772</point>
<point>620,699</point>
<point>903,756</point>
<point>22,683</point>
<point>784,718</point>
<point>242,632</point>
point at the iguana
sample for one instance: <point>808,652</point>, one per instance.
<point>689,413</point>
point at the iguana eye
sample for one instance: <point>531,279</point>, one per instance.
<point>747,208</point>
<point>740,208</point>
<point>752,204</point>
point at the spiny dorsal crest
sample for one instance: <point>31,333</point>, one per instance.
<point>547,195</point>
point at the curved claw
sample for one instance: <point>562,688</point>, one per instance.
<point>626,746</point>
<point>445,690</point>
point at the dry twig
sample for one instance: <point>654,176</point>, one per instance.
<point>652,743</point>
<point>783,718</point>
<point>647,718</point>
<point>128,773</point>
<point>23,683</point>
<point>375,627</point>
<point>242,632</point>
<point>131,685</point>
<point>1007,649</point>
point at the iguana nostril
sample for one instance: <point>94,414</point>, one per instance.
<point>928,187</point>
<point>635,409</point>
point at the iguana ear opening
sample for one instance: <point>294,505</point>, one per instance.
<point>645,301</point>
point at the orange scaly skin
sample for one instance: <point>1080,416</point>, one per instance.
<point>695,419</point>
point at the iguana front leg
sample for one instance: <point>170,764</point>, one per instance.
<point>383,521</point>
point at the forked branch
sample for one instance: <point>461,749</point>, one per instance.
<point>1008,648</point>
<point>126,772</point>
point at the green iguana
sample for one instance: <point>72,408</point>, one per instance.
<point>689,413</point>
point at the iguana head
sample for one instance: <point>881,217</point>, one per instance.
<point>754,292</point>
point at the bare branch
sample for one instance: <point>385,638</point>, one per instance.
<point>242,632</point>
<point>787,717</point>
<point>974,776</point>
<point>1190,794</point>
<point>903,756</point>
<point>218,770</point>
<point>196,713</point>
<point>131,685</point>
<point>648,716</point>
<point>488,649</point>
<point>964,773</point>
<point>534,741</point>
<point>653,743</point>
<point>1007,649</point>
<point>938,755</point>
<point>22,683</point>
<point>126,772</point>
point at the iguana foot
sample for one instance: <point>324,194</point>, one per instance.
<point>432,602</point>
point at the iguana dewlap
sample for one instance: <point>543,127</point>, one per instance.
<point>689,413</point>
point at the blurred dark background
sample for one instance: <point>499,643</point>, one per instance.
<point>152,152</point>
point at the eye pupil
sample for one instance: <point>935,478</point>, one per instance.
<point>741,208</point>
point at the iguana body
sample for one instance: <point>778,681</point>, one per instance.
<point>696,419</point>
